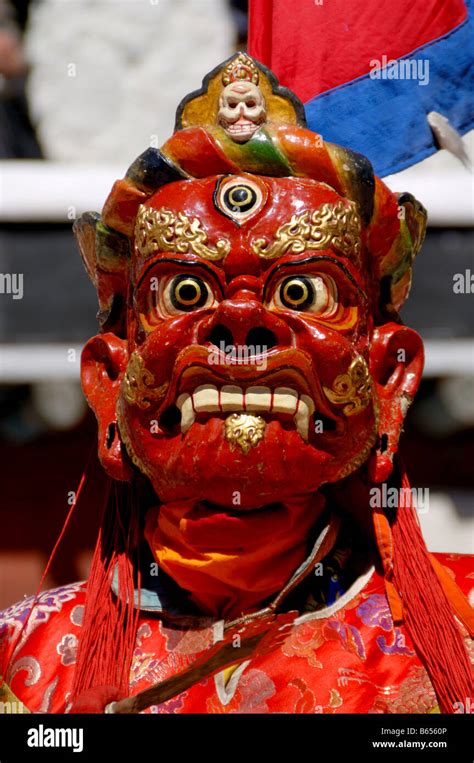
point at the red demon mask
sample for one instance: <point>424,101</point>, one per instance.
<point>248,344</point>
<point>251,362</point>
<point>249,278</point>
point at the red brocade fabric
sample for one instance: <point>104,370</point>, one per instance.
<point>353,660</point>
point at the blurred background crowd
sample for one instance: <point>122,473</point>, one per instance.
<point>86,86</point>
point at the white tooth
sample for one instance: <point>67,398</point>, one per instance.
<point>301,417</point>
<point>258,399</point>
<point>285,400</point>
<point>231,398</point>
<point>181,399</point>
<point>206,398</point>
<point>185,405</point>
<point>309,402</point>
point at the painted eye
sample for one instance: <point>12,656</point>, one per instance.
<point>186,293</point>
<point>162,298</point>
<point>315,294</point>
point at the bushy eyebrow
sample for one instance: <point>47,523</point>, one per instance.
<point>315,258</point>
<point>180,263</point>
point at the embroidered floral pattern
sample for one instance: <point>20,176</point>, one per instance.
<point>148,667</point>
<point>415,695</point>
<point>356,661</point>
<point>188,641</point>
<point>349,636</point>
<point>77,615</point>
<point>13,618</point>
<point>375,612</point>
<point>30,665</point>
<point>304,642</point>
<point>254,690</point>
<point>67,648</point>
<point>171,706</point>
<point>398,645</point>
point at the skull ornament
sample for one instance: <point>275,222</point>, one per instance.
<point>241,110</point>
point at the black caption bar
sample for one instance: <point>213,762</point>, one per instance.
<point>115,738</point>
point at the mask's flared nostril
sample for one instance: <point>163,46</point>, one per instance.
<point>262,338</point>
<point>221,337</point>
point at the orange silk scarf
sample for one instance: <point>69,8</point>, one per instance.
<point>231,561</point>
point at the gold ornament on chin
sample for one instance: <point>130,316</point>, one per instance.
<point>138,386</point>
<point>244,431</point>
<point>352,389</point>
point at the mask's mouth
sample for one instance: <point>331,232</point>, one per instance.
<point>285,390</point>
<point>241,127</point>
<point>285,404</point>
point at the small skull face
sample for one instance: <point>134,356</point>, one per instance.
<point>241,110</point>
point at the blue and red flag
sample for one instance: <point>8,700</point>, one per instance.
<point>370,71</point>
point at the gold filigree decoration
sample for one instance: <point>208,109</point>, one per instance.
<point>161,230</point>
<point>244,430</point>
<point>331,225</point>
<point>138,385</point>
<point>352,465</point>
<point>128,445</point>
<point>361,458</point>
<point>352,389</point>
<point>240,68</point>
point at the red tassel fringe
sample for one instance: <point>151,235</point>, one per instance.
<point>110,622</point>
<point>427,612</point>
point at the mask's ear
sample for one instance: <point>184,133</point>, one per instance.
<point>396,365</point>
<point>103,364</point>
